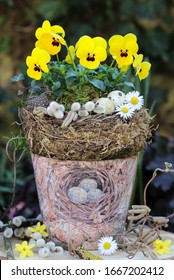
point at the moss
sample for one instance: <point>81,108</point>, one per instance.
<point>96,137</point>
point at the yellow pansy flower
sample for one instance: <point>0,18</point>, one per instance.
<point>138,60</point>
<point>123,48</point>
<point>37,63</point>
<point>50,38</point>
<point>90,53</point>
<point>162,247</point>
<point>24,249</point>
<point>39,228</point>
<point>142,67</point>
<point>71,51</point>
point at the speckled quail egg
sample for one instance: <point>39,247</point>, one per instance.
<point>117,97</point>
<point>88,184</point>
<point>108,105</point>
<point>77,195</point>
<point>94,195</point>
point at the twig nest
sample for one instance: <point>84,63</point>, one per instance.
<point>94,195</point>
<point>75,106</point>
<point>77,195</point>
<point>88,184</point>
<point>89,106</point>
<point>117,97</point>
<point>56,110</point>
<point>105,103</point>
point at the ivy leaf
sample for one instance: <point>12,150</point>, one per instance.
<point>17,78</point>
<point>98,84</point>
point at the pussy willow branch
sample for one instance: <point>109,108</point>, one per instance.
<point>25,224</point>
<point>15,162</point>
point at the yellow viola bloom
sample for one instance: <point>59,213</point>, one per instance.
<point>162,247</point>
<point>100,42</point>
<point>24,249</point>
<point>71,51</point>
<point>123,48</point>
<point>50,38</point>
<point>90,53</point>
<point>37,63</point>
<point>39,228</point>
<point>47,28</point>
<point>138,60</point>
<point>143,70</point>
<point>142,67</point>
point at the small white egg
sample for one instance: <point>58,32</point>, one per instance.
<point>117,97</point>
<point>77,195</point>
<point>108,105</point>
<point>88,184</point>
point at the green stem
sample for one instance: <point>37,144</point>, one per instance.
<point>112,63</point>
<point>75,68</point>
<point>57,57</point>
<point>120,76</point>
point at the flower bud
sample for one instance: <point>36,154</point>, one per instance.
<point>8,232</point>
<point>40,242</point>
<point>44,252</point>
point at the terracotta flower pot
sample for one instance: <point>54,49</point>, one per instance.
<point>101,212</point>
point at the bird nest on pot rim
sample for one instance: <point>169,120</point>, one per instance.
<point>95,137</point>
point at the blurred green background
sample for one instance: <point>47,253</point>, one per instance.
<point>153,23</point>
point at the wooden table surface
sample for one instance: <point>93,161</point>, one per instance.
<point>6,251</point>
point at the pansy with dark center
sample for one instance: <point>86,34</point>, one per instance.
<point>123,48</point>
<point>37,63</point>
<point>50,38</point>
<point>90,57</point>
<point>91,51</point>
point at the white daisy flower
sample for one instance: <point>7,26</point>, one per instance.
<point>135,99</point>
<point>107,246</point>
<point>125,111</point>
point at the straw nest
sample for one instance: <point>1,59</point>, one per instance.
<point>86,213</point>
<point>95,137</point>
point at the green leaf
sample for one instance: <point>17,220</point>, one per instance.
<point>98,84</point>
<point>70,81</point>
<point>56,85</point>
<point>5,189</point>
<point>70,73</point>
<point>17,78</point>
<point>129,84</point>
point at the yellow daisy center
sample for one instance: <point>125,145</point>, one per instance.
<point>107,245</point>
<point>161,246</point>
<point>134,100</point>
<point>124,109</point>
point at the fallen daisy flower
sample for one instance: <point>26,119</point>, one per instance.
<point>107,246</point>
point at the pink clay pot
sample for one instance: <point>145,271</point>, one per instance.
<point>74,223</point>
